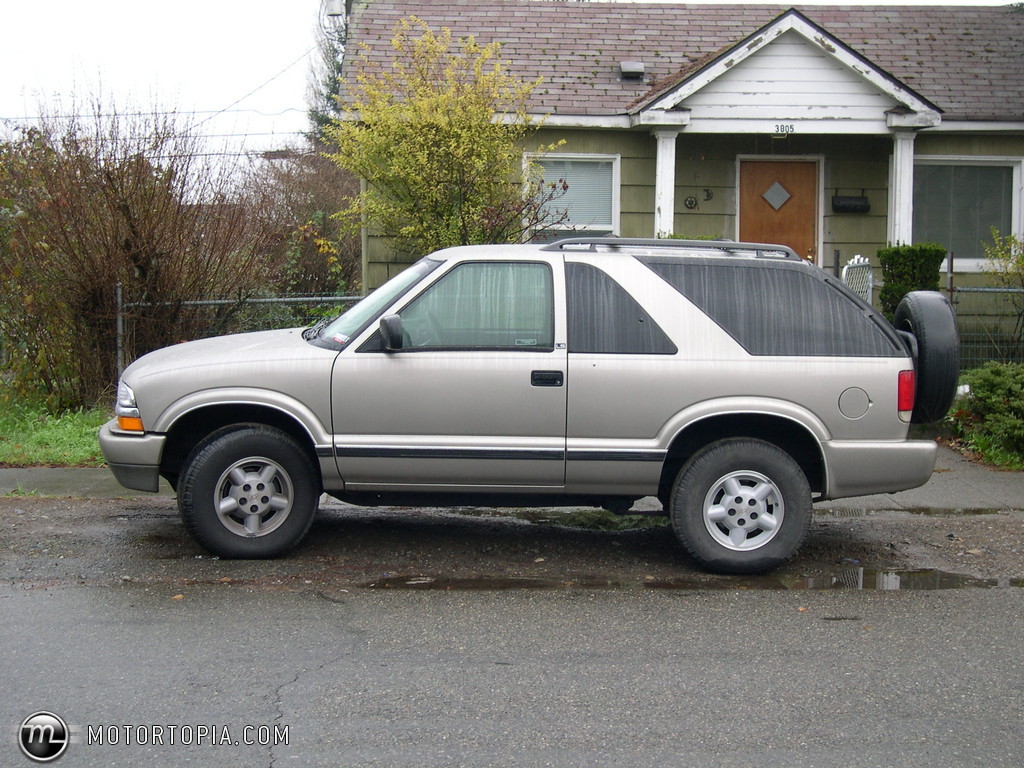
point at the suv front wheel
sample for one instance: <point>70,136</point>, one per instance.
<point>741,506</point>
<point>248,492</point>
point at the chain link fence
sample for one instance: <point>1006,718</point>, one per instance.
<point>991,325</point>
<point>220,316</point>
<point>990,320</point>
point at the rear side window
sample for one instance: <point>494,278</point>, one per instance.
<point>773,310</point>
<point>605,319</point>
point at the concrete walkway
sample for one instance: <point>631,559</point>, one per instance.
<point>958,484</point>
<point>79,483</point>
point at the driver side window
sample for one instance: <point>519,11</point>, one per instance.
<point>484,305</point>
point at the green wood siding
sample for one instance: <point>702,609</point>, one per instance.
<point>636,151</point>
<point>706,171</point>
<point>978,145</point>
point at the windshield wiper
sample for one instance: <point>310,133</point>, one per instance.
<point>314,330</point>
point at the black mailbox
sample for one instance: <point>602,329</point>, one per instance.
<point>850,204</point>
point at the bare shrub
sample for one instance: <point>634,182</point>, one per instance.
<point>116,197</point>
<point>314,252</point>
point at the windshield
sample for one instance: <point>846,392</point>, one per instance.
<point>352,322</point>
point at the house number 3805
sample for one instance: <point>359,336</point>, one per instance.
<point>785,128</point>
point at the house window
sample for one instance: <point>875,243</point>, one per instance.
<point>592,198</point>
<point>957,204</point>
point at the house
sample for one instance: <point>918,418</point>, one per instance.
<point>832,129</point>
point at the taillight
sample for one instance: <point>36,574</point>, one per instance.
<point>906,390</point>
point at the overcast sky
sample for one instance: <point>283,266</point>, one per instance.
<point>251,59</point>
<point>247,60</point>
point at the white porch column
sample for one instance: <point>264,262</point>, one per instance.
<point>665,182</point>
<point>901,188</point>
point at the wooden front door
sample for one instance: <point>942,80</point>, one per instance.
<point>779,204</point>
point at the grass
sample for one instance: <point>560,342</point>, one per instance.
<point>31,437</point>
<point>992,450</point>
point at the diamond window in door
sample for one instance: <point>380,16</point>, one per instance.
<point>776,195</point>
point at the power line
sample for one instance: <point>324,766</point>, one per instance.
<point>248,135</point>
<point>161,113</point>
<point>258,88</point>
<point>212,113</point>
<point>205,136</point>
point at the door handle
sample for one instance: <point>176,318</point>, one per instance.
<point>547,378</point>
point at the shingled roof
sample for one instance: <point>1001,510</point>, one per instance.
<point>968,61</point>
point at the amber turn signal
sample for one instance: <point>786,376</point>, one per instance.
<point>130,424</point>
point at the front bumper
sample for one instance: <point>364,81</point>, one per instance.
<point>134,459</point>
<point>857,468</point>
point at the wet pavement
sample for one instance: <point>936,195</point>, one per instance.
<point>957,484</point>
<point>468,637</point>
<point>848,578</point>
<point>481,679</point>
<point>964,529</point>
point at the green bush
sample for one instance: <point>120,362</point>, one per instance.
<point>908,268</point>
<point>990,418</point>
<point>684,236</point>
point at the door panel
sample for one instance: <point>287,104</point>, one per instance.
<point>450,418</point>
<point>476,396</point>
<point>779,204</point>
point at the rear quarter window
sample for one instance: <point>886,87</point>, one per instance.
<point>605,319</point>
<point>778,309</point>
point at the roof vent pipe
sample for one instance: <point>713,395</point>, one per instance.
<point>632,70</point>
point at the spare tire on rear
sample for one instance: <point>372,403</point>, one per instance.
<point>928,316</point>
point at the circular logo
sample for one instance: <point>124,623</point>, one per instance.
<point>43,737</point>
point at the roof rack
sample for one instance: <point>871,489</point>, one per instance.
<point>727,246</point>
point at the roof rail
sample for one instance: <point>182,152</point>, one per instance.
<point>727,246</point>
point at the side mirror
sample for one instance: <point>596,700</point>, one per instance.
<point>391,332</point>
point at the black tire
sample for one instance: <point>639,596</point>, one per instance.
<point>741,506</point>
<point>929,317</point>
<point>249,492</point>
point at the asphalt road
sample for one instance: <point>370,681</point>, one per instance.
<point>586,648</point>
<point>521,678</point>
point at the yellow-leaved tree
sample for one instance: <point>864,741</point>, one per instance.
<point>438,135</point>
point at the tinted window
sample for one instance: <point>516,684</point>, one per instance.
<point>484,305</point>
<point>771,309</point>
<point>605,319</point>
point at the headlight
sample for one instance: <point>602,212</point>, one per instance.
<point>127,410</point>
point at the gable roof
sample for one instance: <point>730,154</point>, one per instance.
<point>676,88</point>
<point>966,62</point>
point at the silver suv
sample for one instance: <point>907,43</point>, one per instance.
<point>734,381</point>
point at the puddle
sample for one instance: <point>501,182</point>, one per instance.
<point>925,511</point>
<point>489,583</point>
<point>587,519</point>
<point>851,578</point>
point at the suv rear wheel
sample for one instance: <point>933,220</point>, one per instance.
<point>741,506</point>
<point>248,492</point>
